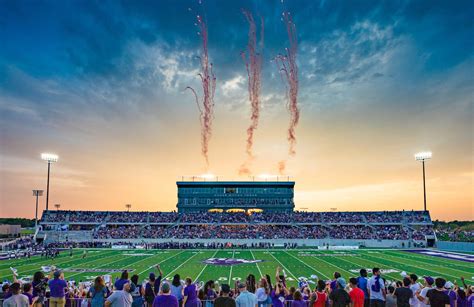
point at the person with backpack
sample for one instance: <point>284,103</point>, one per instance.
<point>376,289</point>
<point>152,287</point>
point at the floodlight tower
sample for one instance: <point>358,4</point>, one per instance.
<point>37,193</point>
<point>128,207</point>
<point>57,206</point>
<point>422,156</point>
<point>50,158</point>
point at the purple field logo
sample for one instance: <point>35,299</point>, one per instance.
<point>229,261</point>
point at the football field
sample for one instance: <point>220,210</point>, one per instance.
<point>232,265</point>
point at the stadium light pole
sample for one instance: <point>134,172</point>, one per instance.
<point>57,206</point>
<point>50,158</point>
<point>422,156</point>
<point>37,193</point>
<point>128,207</point>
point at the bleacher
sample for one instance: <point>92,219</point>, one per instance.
<point>383,228</point>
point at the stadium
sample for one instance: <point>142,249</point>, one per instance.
<point>226,231</point>
<point>319,117</point>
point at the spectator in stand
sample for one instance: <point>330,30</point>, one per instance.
<point>415,287</point>
<point>356,294</point>
<point>333,283</point>
<point>437,297</point>
<point>57,287</point>
<point>28,291</point>
<point>177,288</point>
<point>224,300</point>
<point>451,293</point>
<point>137,292</point>
<point>298,300</point>
<point>40,282</point>
<point>120,298</point>
<point>16,299</point>
<point>278,295</point>
<point>5,291</point>
<point>245,298</point>
<point>98,292</point>
<point>362,284</point>
<point>152,287</point>
<point>190,298</point>
<point>376,289</point>
<point>339,296</point>
<point>421,294</point>
<point>390,299</point>
<point>404,293</point>
<point>119,283</point>
<point>165,299</point>
<point>319,297</point>
<point>263,293</point>
<point>209,293</point>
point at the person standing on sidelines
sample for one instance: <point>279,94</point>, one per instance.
<point>376,289</point>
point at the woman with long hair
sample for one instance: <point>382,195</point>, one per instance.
<point>250,281</point>
<point>177,289</point>
<point>209,293</point>
<point>137,292</point>
<point>98,292</point>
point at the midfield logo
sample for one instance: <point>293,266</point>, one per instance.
<point>229,261</point>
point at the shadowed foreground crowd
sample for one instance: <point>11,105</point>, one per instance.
<point>360,291</point>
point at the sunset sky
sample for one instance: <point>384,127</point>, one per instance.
<point>101,84</point>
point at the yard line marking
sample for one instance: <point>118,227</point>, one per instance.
<point>324,275</point>
<point>296,279</point>
<point>195,279</point>
<point>261,275</point>
<point>424,269</point>
<point>59,263</point>
<point>417,260</point>
<point>121,259</point>
<point>339,268</point>
<point>231,266</point>
<point>150,267</point>
<point>169,274</point>
<point>371,261</point>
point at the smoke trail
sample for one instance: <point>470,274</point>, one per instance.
<point>208,81</point>
<point>253,64</point>
<point>281,167</point>
<point>289,71</point>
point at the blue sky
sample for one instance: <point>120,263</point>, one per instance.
<point>87,77</point>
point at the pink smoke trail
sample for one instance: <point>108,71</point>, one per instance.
<point>208,81</point>
<point>289,70</point>
<point>253,64</point>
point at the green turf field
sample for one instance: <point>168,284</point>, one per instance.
<point>296,263</point>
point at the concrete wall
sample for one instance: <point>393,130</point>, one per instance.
<point>456,246</point>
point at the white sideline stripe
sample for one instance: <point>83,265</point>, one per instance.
<point>309,266</point>
<point>363,266</point>
<point>175,269</point>
<point>196,279</point>
<point>339,268</point>
<point>424,269</point>
<point>166,259</point>
<point>261,275</point>
<point>231,266</point>
<point>296,279</point>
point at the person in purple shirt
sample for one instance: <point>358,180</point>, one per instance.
<point>121,281</point>
<point>333,284</point>
<point>28,291</point>
<point>298,300</point>
<point>56,289</point>
<point>451,293</point>
<point>461,300</point>
<point>278,295</point>
<point>190,295</point>
<point>165,299</point>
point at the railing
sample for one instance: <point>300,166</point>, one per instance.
<point>86,302</point>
